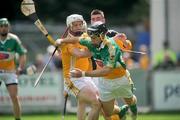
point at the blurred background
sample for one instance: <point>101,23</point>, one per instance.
<point>151,25</point>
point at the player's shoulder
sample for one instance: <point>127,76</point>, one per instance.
<point>84,36</point>
<point>109,41</point>
<point>14,37</point>
<point>84,39</point>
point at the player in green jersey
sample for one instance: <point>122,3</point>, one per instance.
<point>115,81</point>
<point>9,46</point>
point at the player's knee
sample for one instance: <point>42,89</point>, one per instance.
<point>97,104</point>
<point>131,101</point>
<point>134,99</point>
<point>14,98</point>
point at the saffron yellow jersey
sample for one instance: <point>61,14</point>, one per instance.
<point>69,61</point>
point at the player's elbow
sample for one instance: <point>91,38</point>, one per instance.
<point>106,70</point>
<point>82,54</point>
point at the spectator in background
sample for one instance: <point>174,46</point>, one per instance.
<point>144,60</point>
<point>178,59</point>
<point>128,60</point>
<point>143,38</point>
<point>56,62</point>
<point>39,62</point>
<point>166,58</point>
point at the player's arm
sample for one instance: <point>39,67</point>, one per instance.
<point>95,73</point>
<point>22,55</point>
<point>99,72</point>
<point>72,40</point>
<point>76,51</point>
<point>79,53</point>
<point>22,62</point>
<point>83,40</point>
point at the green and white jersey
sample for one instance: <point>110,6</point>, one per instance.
<point>8,48</point>
<point>109,52</point>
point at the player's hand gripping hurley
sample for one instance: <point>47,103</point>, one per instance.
<point>28,9</point>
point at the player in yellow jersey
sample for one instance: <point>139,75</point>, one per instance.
<point>9,45</point>
<point>77,56</point>
<point>115,81</point>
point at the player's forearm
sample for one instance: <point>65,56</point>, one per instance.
<point>22,62</point>
<point>70,40</point>
<point>98,73</point>
<point>81,54</point>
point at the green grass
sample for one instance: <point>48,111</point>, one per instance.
<point>73,117</point>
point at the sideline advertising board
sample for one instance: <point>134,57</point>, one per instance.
<point>166,91</point>
<point>47,96</point>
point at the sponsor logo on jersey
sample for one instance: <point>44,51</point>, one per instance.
<point>4,56</point>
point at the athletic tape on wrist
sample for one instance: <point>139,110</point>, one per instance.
<point>83,73</point>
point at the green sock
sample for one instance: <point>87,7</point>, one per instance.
<point>123,110</point>
<point>133,109</point>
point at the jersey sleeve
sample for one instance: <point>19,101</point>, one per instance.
<point>85,41</point>
<point>19,47</point>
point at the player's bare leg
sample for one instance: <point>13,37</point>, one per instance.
<point>81,110</point>
<point>108,108</point>
<point>88,95</point>
<point>13,89</point>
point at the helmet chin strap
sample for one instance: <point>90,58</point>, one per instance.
<point>78,33</point>
<point>102,36</point>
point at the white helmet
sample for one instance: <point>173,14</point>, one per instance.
<point>75,17</point>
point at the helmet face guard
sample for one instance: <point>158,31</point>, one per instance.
<point>73,18</point>
<point>93,32</point>
<point>97,29</point>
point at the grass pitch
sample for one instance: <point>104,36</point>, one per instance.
<point>73,117</point>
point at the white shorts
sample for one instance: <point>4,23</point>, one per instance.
<point>117,88</point>
<point>9,78</point>
<point>81,83</point>
<point>95,80</point>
